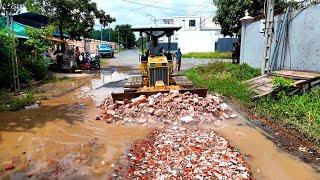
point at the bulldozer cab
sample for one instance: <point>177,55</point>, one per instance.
<point>155,32</point>
<point>156,64</point>
<point>156,68</point>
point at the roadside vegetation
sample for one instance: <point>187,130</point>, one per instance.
<point>300,112</point>
<point>55,87</point>
<point>209,55</point>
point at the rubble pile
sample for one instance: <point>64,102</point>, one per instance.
<point>183,153</point>
<point>168,108</point>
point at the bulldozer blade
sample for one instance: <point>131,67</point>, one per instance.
<point>202,92</point>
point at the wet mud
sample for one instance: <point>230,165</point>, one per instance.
<point>62,138</point>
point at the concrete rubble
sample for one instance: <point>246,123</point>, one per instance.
<point>167,108</point>
<point>183,153</point>
<point>181,150</point>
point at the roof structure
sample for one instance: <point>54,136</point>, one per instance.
<point>156,27</point>
<point>31,19</point>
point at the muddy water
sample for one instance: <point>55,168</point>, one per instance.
<point>62,138</point>
<point>266,160</point>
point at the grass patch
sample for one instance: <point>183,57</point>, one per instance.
<point>301,112</point>
<point>11,102</point>
<point>209,55</point>
<point>224,78</point>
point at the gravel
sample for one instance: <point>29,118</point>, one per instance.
<point>183,153</point>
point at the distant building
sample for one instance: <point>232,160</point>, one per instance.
<point>198,34</point>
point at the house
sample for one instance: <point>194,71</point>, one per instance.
<point>198,33</point>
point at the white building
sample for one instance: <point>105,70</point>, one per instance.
<point>198,34</point>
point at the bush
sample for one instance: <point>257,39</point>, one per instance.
<point>15,103</point>
<point>36,66</point>
<point>7,47</point>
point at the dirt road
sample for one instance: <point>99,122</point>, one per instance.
<point>63,139</point>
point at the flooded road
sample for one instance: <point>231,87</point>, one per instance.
<point>63,139</point>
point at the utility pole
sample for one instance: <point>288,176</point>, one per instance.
<point>268,36</point>
<point>126,41</point>
<point>109,33</point>
<point>184,24</point>
<point>101,33</point>
<point>14,59</point>
<point>153,18</point>
<point>118,38</point>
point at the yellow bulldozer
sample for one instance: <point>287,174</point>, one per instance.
<point>156,67</point>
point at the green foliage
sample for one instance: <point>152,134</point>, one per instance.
<point>229,13</point>
<point>96,34</point>
<point>34,6</point>
<point>301,112</point>
<point>37,67</point>
<point>33,62</point>
<point>75,17</point>
<point>282,82</point>
<point>38,39</point>
<point>127,37</point>
<point>15,103</point>
<point>7,51</point>
<point>210,55</point>
<point>145,41</point>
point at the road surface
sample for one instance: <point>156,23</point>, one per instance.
<point>130,58</point>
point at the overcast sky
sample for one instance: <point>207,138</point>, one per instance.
<point>135,11</point>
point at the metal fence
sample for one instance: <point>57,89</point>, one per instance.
<point>298,50</point>
<point>225,44</point>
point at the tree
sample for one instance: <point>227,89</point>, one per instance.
<point>7,47</point>
<point>230,12</point>
<point>35,6</point>
<point>39,39</point>
<point>76,17</point>
<point>127,37</point>
<point>96,34</point>
<point>10,6</point>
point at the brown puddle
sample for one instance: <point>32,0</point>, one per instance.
<point>63,139</point>
<point>266,160</point>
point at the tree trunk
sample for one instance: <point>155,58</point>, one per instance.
<point>63,45</point>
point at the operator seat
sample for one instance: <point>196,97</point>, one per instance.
<point>144,58</point>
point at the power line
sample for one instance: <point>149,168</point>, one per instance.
<point>154,6</point>
<point>180,4</point>
<point>206,2</point>
<point>137,9</point>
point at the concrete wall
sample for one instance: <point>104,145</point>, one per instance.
<point>301,51</point>
<point>197,41</point>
